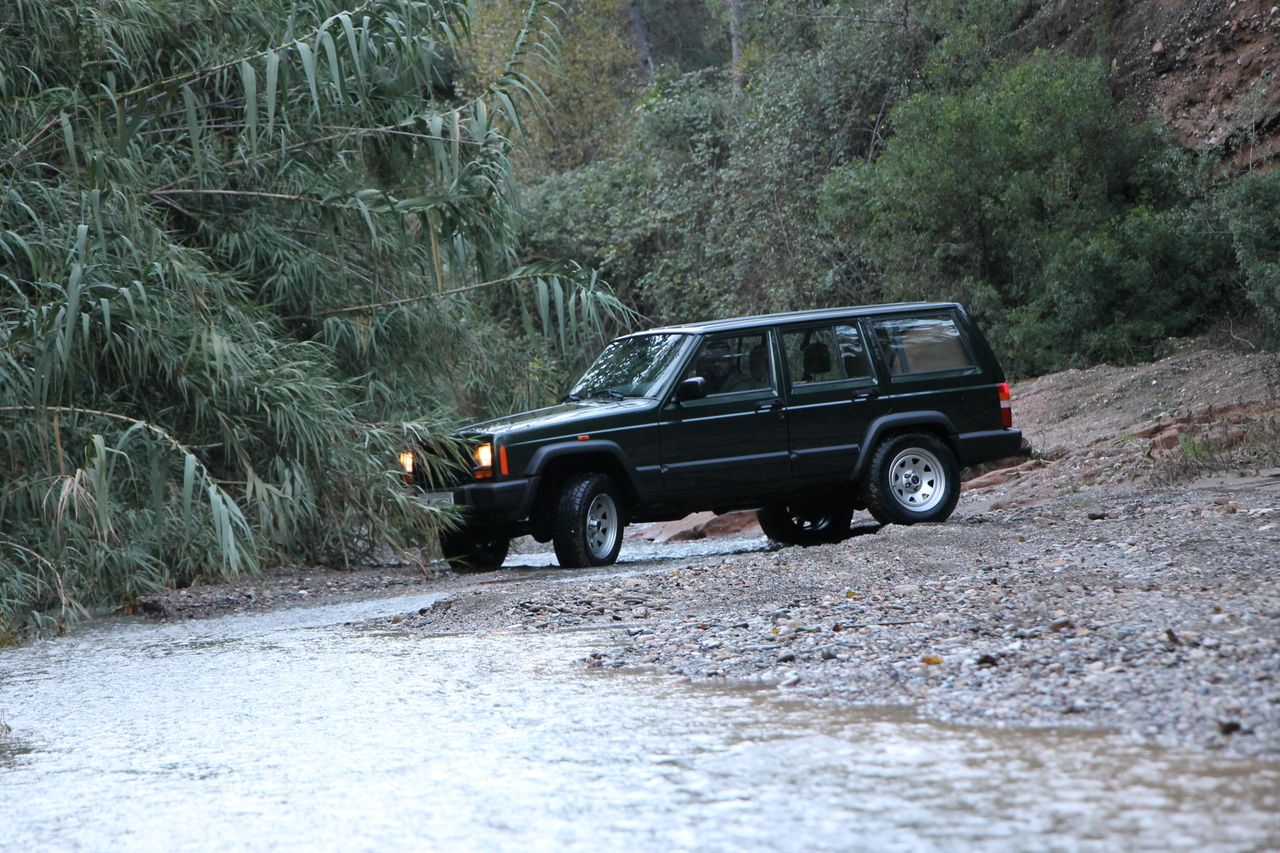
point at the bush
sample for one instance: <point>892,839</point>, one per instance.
<point>1074,234</point>
<point>1249,208</point>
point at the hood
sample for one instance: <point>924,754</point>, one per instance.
<point>569,416</point>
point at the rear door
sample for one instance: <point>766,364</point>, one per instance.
<point>732,444</point>
<point>832,395</point>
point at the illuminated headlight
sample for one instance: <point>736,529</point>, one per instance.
<point>406,462</point>
<point>483,456</point>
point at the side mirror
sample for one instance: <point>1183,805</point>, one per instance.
<point>693,388</point>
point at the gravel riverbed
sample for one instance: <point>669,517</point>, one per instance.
<point>1151,611</point>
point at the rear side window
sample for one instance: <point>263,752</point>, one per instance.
<point>922,345</point>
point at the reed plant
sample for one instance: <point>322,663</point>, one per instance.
<point>247,249</point>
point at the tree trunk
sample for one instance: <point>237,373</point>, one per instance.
<point>640,42</point>
<point>735,43</point>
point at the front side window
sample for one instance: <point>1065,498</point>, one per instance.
<point>825,354</point>
<point>733,363</point>
<point>630,367</point>
<point>922,345</point>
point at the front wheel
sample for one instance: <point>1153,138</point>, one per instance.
<point>588,522</point>
<point>466,551</point>
<point>805,525</point>
<point>913,478</point>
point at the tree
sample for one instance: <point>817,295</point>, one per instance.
<point>237,243</point>
<point>1030,196</point>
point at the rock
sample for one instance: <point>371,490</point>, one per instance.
<point>1061,624</point>
<point>787,657</point>
<point>703,525</point>
<point>790,681</point>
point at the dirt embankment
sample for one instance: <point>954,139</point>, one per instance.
<point>1209,68</point>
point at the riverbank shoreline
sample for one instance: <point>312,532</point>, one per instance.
<point>1152,613</point>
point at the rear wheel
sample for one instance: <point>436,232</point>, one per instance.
<point>588,522</point>
<point>913,478</point>
<point>796,524</point>
<point>467,551</point>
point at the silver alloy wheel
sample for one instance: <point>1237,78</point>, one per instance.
<point>917,480</point>
<point>603,528</point>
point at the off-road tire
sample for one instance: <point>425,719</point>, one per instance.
<point>796,525</point>
<point>465,551</point>
<point>913,478</point>
<point>588,521</point>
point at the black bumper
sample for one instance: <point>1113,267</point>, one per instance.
<point>496,504</point>
<point>978,447</point>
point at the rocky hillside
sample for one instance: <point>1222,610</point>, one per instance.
<point>1209,68</point>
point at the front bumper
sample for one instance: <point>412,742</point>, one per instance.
<point>496,504</point>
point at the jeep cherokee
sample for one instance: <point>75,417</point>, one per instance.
<point>803,416</point>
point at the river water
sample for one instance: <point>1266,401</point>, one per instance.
<point>291,730</point>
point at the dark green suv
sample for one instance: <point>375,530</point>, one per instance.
<point>804,417</point>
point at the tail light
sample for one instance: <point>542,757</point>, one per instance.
<point>1006,405</point>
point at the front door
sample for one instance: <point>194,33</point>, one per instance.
<point>732,444</point>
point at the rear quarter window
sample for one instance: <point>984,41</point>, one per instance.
<point>917,345</point>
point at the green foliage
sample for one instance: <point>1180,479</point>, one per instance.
<point>240,247</point>
<point>1076,235</point>
<point>708,206</point>
<point>1249,208</point>
<point>686,36</point>
<point>592,79</point>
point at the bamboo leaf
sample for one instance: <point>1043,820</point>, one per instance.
<point>309,69</point>
<point>193,129</point>
<point>273,76</point>
<point>331,52</point>
<point>249,80</point>
<point>344,18</point>
<point>188,487</point>
<point>68,140</point>
<point>557,292</point>
<point>543,296</point>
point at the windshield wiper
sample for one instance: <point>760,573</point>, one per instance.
<point>570,398</point>
<point>609,394</point>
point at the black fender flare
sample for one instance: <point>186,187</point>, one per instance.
<point>547,454</point>
<point>895,423</point>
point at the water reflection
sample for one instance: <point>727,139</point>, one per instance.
<point>288,733</point>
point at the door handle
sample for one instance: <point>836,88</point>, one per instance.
<point>865,394</point>
<point>769,405</point>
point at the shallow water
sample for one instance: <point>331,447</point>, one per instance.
<point>290,730</point>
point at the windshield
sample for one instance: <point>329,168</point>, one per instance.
<point>630,367</point>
